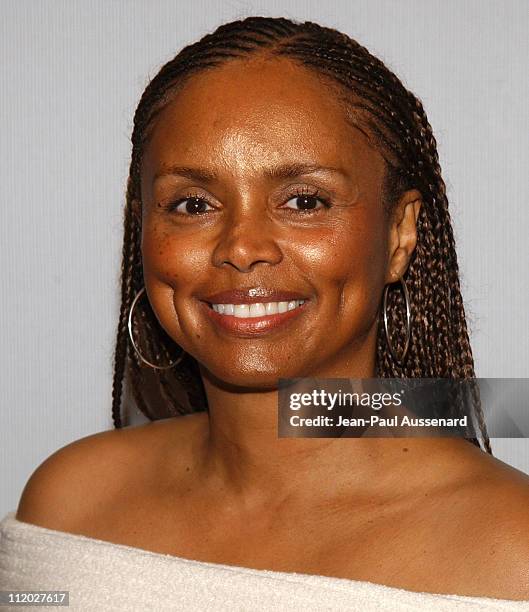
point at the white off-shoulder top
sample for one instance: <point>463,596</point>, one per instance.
<point>100,575</point>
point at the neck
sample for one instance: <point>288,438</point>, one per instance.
<point>244,456</point>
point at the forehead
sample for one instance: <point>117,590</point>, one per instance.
<point>247,113</point>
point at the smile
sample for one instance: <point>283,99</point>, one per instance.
<point>249,320</point>
<point>260,309</point>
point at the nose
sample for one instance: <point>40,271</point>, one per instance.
<point>246,239</point>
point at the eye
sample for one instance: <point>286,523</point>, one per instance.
<point>307,201</point>
<point>192,205</point>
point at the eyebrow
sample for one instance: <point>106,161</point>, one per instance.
<point>284,171</point>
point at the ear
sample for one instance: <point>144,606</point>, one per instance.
<point>403,234</point>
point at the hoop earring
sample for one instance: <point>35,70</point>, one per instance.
<point>399,360</point>
<point>152,365</point>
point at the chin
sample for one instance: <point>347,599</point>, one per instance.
<point>247,379</point>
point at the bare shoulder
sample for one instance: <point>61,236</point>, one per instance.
<point>67,489</point>
<point>492,509</point>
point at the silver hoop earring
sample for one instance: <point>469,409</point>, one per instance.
<point>157,367</point>
<point>399,360</point>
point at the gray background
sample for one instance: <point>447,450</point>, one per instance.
<point>72,73</point>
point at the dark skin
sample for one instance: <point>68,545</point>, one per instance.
<point>434,515</point>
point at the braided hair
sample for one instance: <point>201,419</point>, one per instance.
<point>394,118</point>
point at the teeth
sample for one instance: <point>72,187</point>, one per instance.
<point>249,311</point>
<point>282,307</point>
<point>242,311</point>
<point>257,310</point>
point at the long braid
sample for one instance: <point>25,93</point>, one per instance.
<point>129,259</point>
<point>375,100</point>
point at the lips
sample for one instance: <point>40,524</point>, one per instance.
<point>253,296</point>
<point>255,326</point>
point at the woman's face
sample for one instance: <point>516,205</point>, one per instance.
<point>232,165</point>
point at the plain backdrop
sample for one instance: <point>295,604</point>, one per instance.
<point>72,73</point>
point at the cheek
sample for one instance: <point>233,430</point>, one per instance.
<point>172,258</point>
<point>172,265</point>
<point>347,264</point>
<point>347,254</point>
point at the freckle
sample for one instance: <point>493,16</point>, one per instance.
<point>198,336</point>
<point>405,450</point>
<point>187,469</point>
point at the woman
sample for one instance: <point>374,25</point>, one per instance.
<point>277,163</point>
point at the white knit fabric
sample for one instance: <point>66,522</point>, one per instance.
<point>103,576</point>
